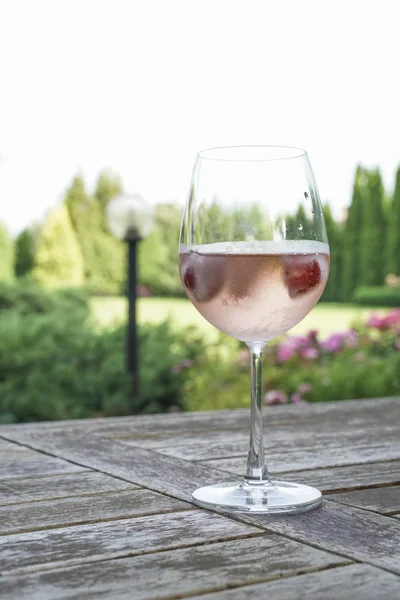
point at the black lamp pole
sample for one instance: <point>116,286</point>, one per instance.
<point>132,355</point>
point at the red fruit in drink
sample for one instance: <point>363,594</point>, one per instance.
<point>301,274</point>
<point>202,275</point>
<point>189,280</point>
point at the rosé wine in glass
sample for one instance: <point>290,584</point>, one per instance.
<point>254,260</point>
<point>259,293</point>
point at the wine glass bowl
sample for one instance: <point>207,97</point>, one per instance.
<point>254,260</point>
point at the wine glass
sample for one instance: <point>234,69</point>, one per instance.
<point>254,260</point>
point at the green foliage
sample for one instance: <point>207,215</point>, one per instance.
<point>108,186</point>
<point>362,363</point>
<point>377,296</point>
<point>103,255</point>
<point>7,255</point>
<point>333,290</point>
<point>158,254</point>
<point>58,261</point>
<point>373,233</point>
<point>54,365</point>
<point>352,229</point>
<point>25,252</point>
<point>30,299</point>
<point>394,230</point>
<point>300,226</point>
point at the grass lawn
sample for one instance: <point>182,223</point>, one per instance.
<point>326,318</point>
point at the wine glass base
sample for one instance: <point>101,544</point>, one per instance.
<point>273,497</point>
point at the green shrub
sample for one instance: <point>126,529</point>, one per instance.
<point>25,244</point>
<point>7,254</point>
<point>53,365</point>
<point>377,296</point>
<point>28,298</point>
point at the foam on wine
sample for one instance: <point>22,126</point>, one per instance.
<point>255,291</point>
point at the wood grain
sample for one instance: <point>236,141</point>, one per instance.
<point>286,451</point>
<point>10,450</point>
<point>101,541</point>
<point>364,475</point>
<point>351,413</point>
<point>385,500</point>
<point>353,582</point>
<point>176,477</point>
<point>19,461</point>
<point>358,534</point>
<point>88,509</point>
<point>37,466</point>
<point>173,574</point>
<point>85,483</point>
<point>335,446</point>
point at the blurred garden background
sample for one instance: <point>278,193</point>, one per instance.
<point>63,315</point>
<point>104,98</point>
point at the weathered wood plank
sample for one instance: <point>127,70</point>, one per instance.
<point>176,477</point>
<point>36,466</point>
<point>85,509</point>
<point>385,500</point>
<point>353,582</point>
<point>84,483</point>
<point>173,574</point>
<point>337,478</point>
<point>101,541</point>
<point>12,450</point>
<point>353,532</point>
<point>288,451</point>
<point>19,461</point>
<point>300,420</point>
<point>287,454</point>
<point>354,413</point>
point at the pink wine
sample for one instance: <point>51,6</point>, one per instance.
<point>258,291</point>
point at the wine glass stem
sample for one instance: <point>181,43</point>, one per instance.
<point>256,471</point>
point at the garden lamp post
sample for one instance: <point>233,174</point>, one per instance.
<point>131,219</point>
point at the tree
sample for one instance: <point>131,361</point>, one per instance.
<point>7,255</point>
<point>108,186</point>
<point>352,241</point>
<point>25,252</point>
<point>333,289</point>
<point>373,233</point>
<point>103,255</point>
<point>394,230</point>
<point>300,226</point>
<point>58,261</point>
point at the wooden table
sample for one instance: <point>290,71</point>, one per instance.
<point>101,508</point>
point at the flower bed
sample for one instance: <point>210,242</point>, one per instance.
<point>363,362</point>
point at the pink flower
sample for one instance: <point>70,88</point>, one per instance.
<point>392,318</point>
<point>309,353</point>
<point>351,338</point>
<point>285,353</point>
<point>275,397</point>
<point>176,369</point>
<point>334,343</point>
<point>304,388</point>
<point>296,398</point>
<point>374,321</point>
<point>289,348</point>
<point>397,345</point>
<point>386,322</point>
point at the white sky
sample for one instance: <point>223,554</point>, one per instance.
<point>142,85</point>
